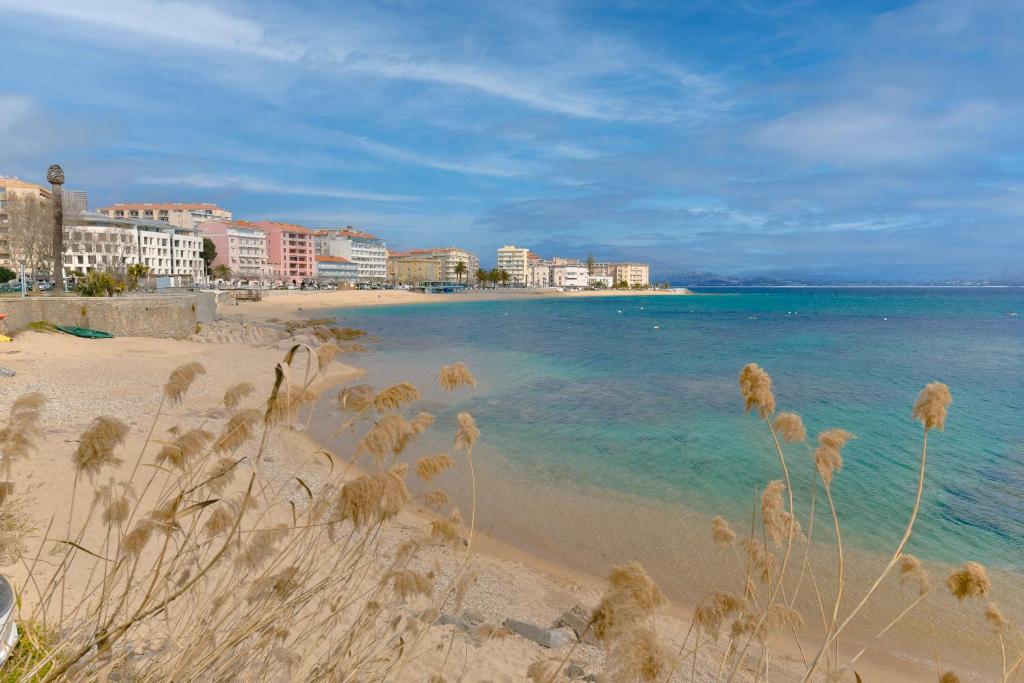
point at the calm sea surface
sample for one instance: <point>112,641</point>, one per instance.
<point>638,396</point>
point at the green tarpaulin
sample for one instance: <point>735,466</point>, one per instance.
<point>84,332</point>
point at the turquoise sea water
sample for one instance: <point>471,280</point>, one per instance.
<point>639,395</point>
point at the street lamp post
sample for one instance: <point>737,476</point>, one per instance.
<point>21,269</point>
<point>55,174</point>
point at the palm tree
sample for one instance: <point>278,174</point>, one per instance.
<point>504,277</point>
<point>482,276</point>
<point>460,270</point>
<point>222,272</point>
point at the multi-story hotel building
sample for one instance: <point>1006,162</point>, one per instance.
<point>290,250</point>
<point>513,260</point>
<point>182,215</point>
<point>633,274</point>
<point>98,242</point>
<point>336,269</point>
<point>569,275</point>
<point>367,251</point>
<point>241,248</point>
<point>413,267</point>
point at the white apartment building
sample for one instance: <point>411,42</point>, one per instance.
<point>368,252</point>
<point>450,257</point>
<point>98,242</point>
<point>600,280</point>
<point>633,274</point>
<point>513,260</point>
<point>570,276</point>
<point>181,215</point>
<point>538,274</point>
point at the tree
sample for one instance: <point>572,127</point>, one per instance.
<point>482,276</point>
<point>222,272</point>
<point>504,277</point>
<point>136,272</point>
<point>6,274</point>
<point>209,253</point>
<point>29,228</point>
<point>590,264</point>
<point>460,270</point>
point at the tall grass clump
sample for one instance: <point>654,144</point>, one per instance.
<point>739,627</point>
<point>185,558</point>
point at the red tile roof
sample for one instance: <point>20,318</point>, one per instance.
<point>332,259</point>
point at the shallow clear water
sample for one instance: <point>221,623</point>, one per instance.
<point>639,396</point>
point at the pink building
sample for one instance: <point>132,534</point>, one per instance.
<point>290,249</point>
<point>240,247</point>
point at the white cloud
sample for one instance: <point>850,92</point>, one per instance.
<point>247,184</point>
<point>498,166</point>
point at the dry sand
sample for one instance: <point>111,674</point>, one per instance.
<point>290,305</point>
<point>124,377</point>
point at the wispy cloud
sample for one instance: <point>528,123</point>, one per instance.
<point>499,167</point>
<point>244,184</point>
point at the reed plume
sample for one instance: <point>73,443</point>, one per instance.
<point>468,432</point>
<point>912,573</point>
<point>389,436</point>
<point>17,438</point>
<point>181,379</point>
<point>631,595</point>
<point>828,456</point>
<point>760,559</point>
<point>447,530</point>
<point>116,500</point>
<point>238,430</point>
<point>994,617</point>
<point>185,447</point>
<point>932,406</point>
<point>970,581</point>
<point>791,427</point>
<point>544,670</point>
<point>435,499</point>
<point>430,466</point>
<point>96,448</point>
<point>374,497</point>
<point>234,396</point>
<point>396,396</point>
<point>756,387</point>
<point>638,655</point>
<point>456,375</point>
<point>949,677</point>
<point>721,533</point>
<point>407,584</point>
<point>715,609</point>
<point>776,520</point>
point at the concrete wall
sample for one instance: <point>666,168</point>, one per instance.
<point>124,316</point>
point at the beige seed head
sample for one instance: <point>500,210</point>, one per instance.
<point>432,465</point>
<point>456,375</point>
<point>435,499</point>
<point>756,387</point>
<point>710,614</point>
<point>828,456</point>
<point>791,427</point>
<point>448,530</point>
<point>468,432</point>
<point>239,429</point>
<point>234,396</point>
<point>631,595</point>
<point>407,584</point>
<point>912,573</point>
<point>721,533</point>
<point>96,448</point>
<point>760,559</point>
<point>181,379</point>
<point>184,448</point>
<point>638,656</point>
<point>994,617</point>
<point>389,436</point>
<point>970,581</point>
<point>17,438</point>
<point>776,520</point>
<point>932,405</point>
<point>394,397</point>
<point>949,677</point>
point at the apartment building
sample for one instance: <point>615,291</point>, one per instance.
<point>290,250</point>
<point>413,267</point>
<point>633,274</point>
<point>336,269</point>
<point>538,274</point>
<point>449,258</point>
<point>98,242</point>
<point>569,275</point>
<point>181,215</point>
<point>513,260</point>
<point>241,248</point>
<point>368,252</point>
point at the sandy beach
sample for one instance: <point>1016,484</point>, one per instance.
<point>124,376</point>
<point>295,304</point>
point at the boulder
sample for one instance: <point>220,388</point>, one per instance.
<point>578,620</point>
<point>545,637</point>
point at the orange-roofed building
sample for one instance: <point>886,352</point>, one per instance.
<point>179,214</point>
<point>290,249</point>
<point>367,251</point>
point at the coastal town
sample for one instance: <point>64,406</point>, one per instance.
<point>201,244</point>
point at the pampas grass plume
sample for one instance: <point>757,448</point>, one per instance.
<point>638,655</point>
<point>828,456</point>
<point>756,387</point>
<point>456,375</point>
<point>994,617</point>
<point>721,533</point>
<point>238,430</point>
<point>468,432</point>
<point>970,581</point>
<point>932,405</point>
<point>394,397</point>
<point>234,396</point>
<point>949,677</point>
<point>912,573</point>
<point>710,614</point>
<point>181,379</point>
<point>96,448</point>
<point>184,448</point>
<point>791,427</point>
<point>408,584</point>
<point>631,596</point>
<point>432,465</point>
<point>17,438</point>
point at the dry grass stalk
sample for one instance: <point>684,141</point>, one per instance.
<point>756,387</point>
<point>714,610</point>
<point>234,396</point>
<point>970,581</point>
<point>181,380</point>
<point>721,533</point>
<point>468,432</point>
<point>430,466</point>
<point>96,447</point>
<point>932,405</point>
<point>776,520</point>
<point>239,429</point>
<point>791,427</point>
<point>394,397</point>
<point>828,456</point>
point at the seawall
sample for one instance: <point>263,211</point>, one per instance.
<point>143,315</point>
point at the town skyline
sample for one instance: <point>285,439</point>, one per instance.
<point>857,141</point>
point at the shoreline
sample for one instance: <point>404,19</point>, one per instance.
<point>523,562</point>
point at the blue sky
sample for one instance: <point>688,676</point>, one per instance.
<point>836,139</point>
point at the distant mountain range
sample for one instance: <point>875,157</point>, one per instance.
<point>705,279</point>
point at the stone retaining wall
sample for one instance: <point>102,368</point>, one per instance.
<point>173,315</point>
